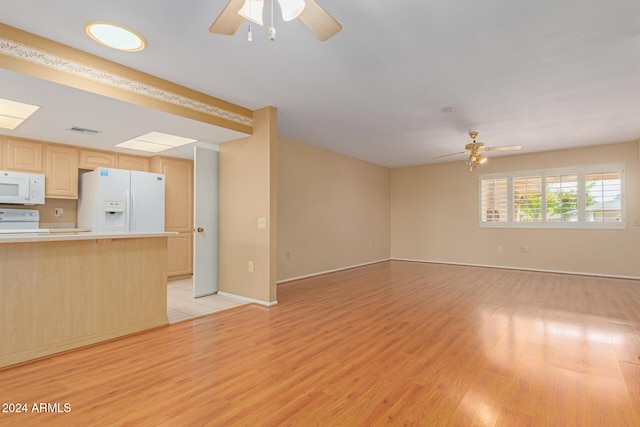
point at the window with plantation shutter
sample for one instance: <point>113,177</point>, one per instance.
<point>527,199</point>
<point>494,202</point>
<point>603,197</point>
<point>562,197</point>
<point>573,197</point>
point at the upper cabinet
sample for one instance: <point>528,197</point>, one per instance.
<point>178,192</point>
<point>92,159</point>
<point>134,163</point>
<point>59,164</point>
<point>61,171</point>
<point>23,155</point>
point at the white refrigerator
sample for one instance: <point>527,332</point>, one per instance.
<point>121,201</point>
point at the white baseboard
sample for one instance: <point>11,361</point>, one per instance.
<point>539,270</point>
<point>247,299</point>
<point>291,279</point>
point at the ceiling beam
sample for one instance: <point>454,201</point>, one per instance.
<point>39,57</point>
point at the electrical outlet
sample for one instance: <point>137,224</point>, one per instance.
<point>250,268</point>
<point>500,248</point>
<point>58,212</point>
<point>287,255</point>
<point>262,222</point>
<point>524,249</point>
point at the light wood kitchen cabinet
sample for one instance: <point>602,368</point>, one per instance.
<point>178,192</point>
<point>61,171</point>
<point>178,215</point>
<point>63,294</point>
<point>92,159</point>
<point>180,255</point>
<point>2,144</point>
<point>134,163</point>
<point>23,155</point>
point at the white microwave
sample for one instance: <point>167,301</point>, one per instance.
<point>17,188</point>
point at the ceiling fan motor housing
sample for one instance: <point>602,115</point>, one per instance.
<point>474,146</point>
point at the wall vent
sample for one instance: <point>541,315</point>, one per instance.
<point>78,129</point>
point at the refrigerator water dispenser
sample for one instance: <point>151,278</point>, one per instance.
<point>114,215</point>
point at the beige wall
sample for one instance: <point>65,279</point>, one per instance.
<point>434,217</point>
<point>248,191</point>
<point>333,211</point>
<point>48,219</point>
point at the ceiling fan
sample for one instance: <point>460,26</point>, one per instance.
<point>323,25</point>
<point>475,148</point>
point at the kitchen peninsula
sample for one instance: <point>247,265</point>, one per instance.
<point>62,291</point>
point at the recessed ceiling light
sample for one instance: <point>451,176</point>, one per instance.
<point>155,142</point>
<point>13,113</point>
<point>448,110</point>
<point>115,36</point>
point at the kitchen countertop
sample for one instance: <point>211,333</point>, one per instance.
<point>74,234</point>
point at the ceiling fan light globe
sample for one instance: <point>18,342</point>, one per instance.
<point>252,10</point>
<point>291,9</point>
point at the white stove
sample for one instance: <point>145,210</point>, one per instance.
<point>19,221</point>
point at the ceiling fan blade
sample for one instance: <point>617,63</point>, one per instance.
<point>450,154</point>
<point>228,21</point>
<point>319,21</point>
<point>505,148</point>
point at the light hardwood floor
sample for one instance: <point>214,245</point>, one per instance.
<point>394,343</point>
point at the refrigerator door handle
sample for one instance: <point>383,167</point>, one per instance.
<point>132,224</point>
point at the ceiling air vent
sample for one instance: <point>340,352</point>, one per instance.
<point>84,131</point>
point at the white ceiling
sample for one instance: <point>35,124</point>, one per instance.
<point>544,74</point>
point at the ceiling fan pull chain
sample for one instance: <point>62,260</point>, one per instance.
<point>272,31</point>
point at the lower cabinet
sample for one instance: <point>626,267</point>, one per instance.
<point>180,255</point>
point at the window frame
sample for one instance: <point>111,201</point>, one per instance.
<point>580,172</point>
